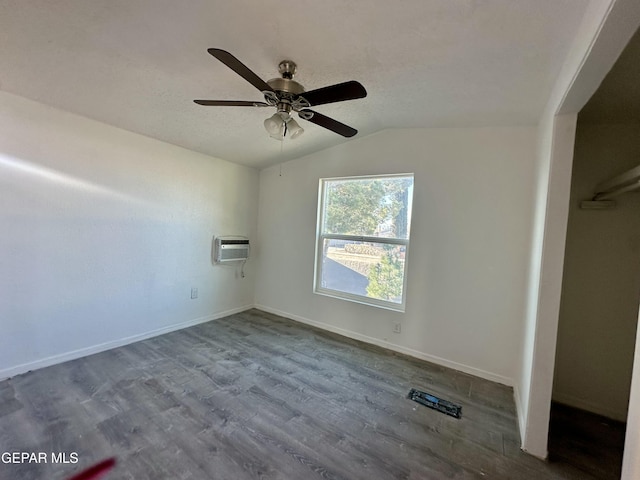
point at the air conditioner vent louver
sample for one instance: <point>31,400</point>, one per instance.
<point>230,249</point>
<point>244,241</point>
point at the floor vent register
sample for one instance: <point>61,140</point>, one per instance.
<point>434,402</point>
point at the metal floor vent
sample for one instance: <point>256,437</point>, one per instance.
<point>434,402</point>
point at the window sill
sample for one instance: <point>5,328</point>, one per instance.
<point>371,302</point>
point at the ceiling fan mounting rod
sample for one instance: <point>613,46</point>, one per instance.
<point>287,69</point>
<point>285,86</point>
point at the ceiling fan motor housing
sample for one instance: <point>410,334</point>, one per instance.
<point>286,85</point>
<point>286,88</point>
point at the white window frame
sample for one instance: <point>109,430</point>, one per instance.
<point>321,237</point>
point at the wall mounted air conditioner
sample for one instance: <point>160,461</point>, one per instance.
<point>231,249</point>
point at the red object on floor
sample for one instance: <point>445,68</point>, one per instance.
<point>96,471</point>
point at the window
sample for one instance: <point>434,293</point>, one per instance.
<point>363,239</point>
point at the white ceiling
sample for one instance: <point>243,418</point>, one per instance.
<point>138,64</point>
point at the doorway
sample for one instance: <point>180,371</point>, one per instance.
<point>601,281</point>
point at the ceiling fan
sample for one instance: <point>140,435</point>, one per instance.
<point>288,96</point>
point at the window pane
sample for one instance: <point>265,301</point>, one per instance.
<point>374,207</point>
<point>374,270</point>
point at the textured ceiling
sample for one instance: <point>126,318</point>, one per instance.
<point>138,64</point>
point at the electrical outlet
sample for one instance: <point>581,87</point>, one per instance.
<point>194,292</point>
<point>397,328</point>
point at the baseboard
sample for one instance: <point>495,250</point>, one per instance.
<point>83,352</point>
<point>392,346</point>
<point>573,401</point>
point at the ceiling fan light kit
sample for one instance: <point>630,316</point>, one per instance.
<point>281,125</point>
<point>288,96</point>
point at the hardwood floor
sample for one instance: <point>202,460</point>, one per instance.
<point>255,395</point>
<point>590,442</point>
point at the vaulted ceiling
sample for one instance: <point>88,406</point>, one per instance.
<point>138,64</point>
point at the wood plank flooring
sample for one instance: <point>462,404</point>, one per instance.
<point>590,442</point>
<point>257,396</point>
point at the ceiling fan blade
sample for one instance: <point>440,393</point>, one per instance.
<point>335,93</point>
<point>327,122</point>
<point>241,69</point>
<point>230,103</point>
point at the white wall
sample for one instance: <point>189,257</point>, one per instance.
<point>104,232</point>
<point>469,241</point>
<point>601,282</point>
